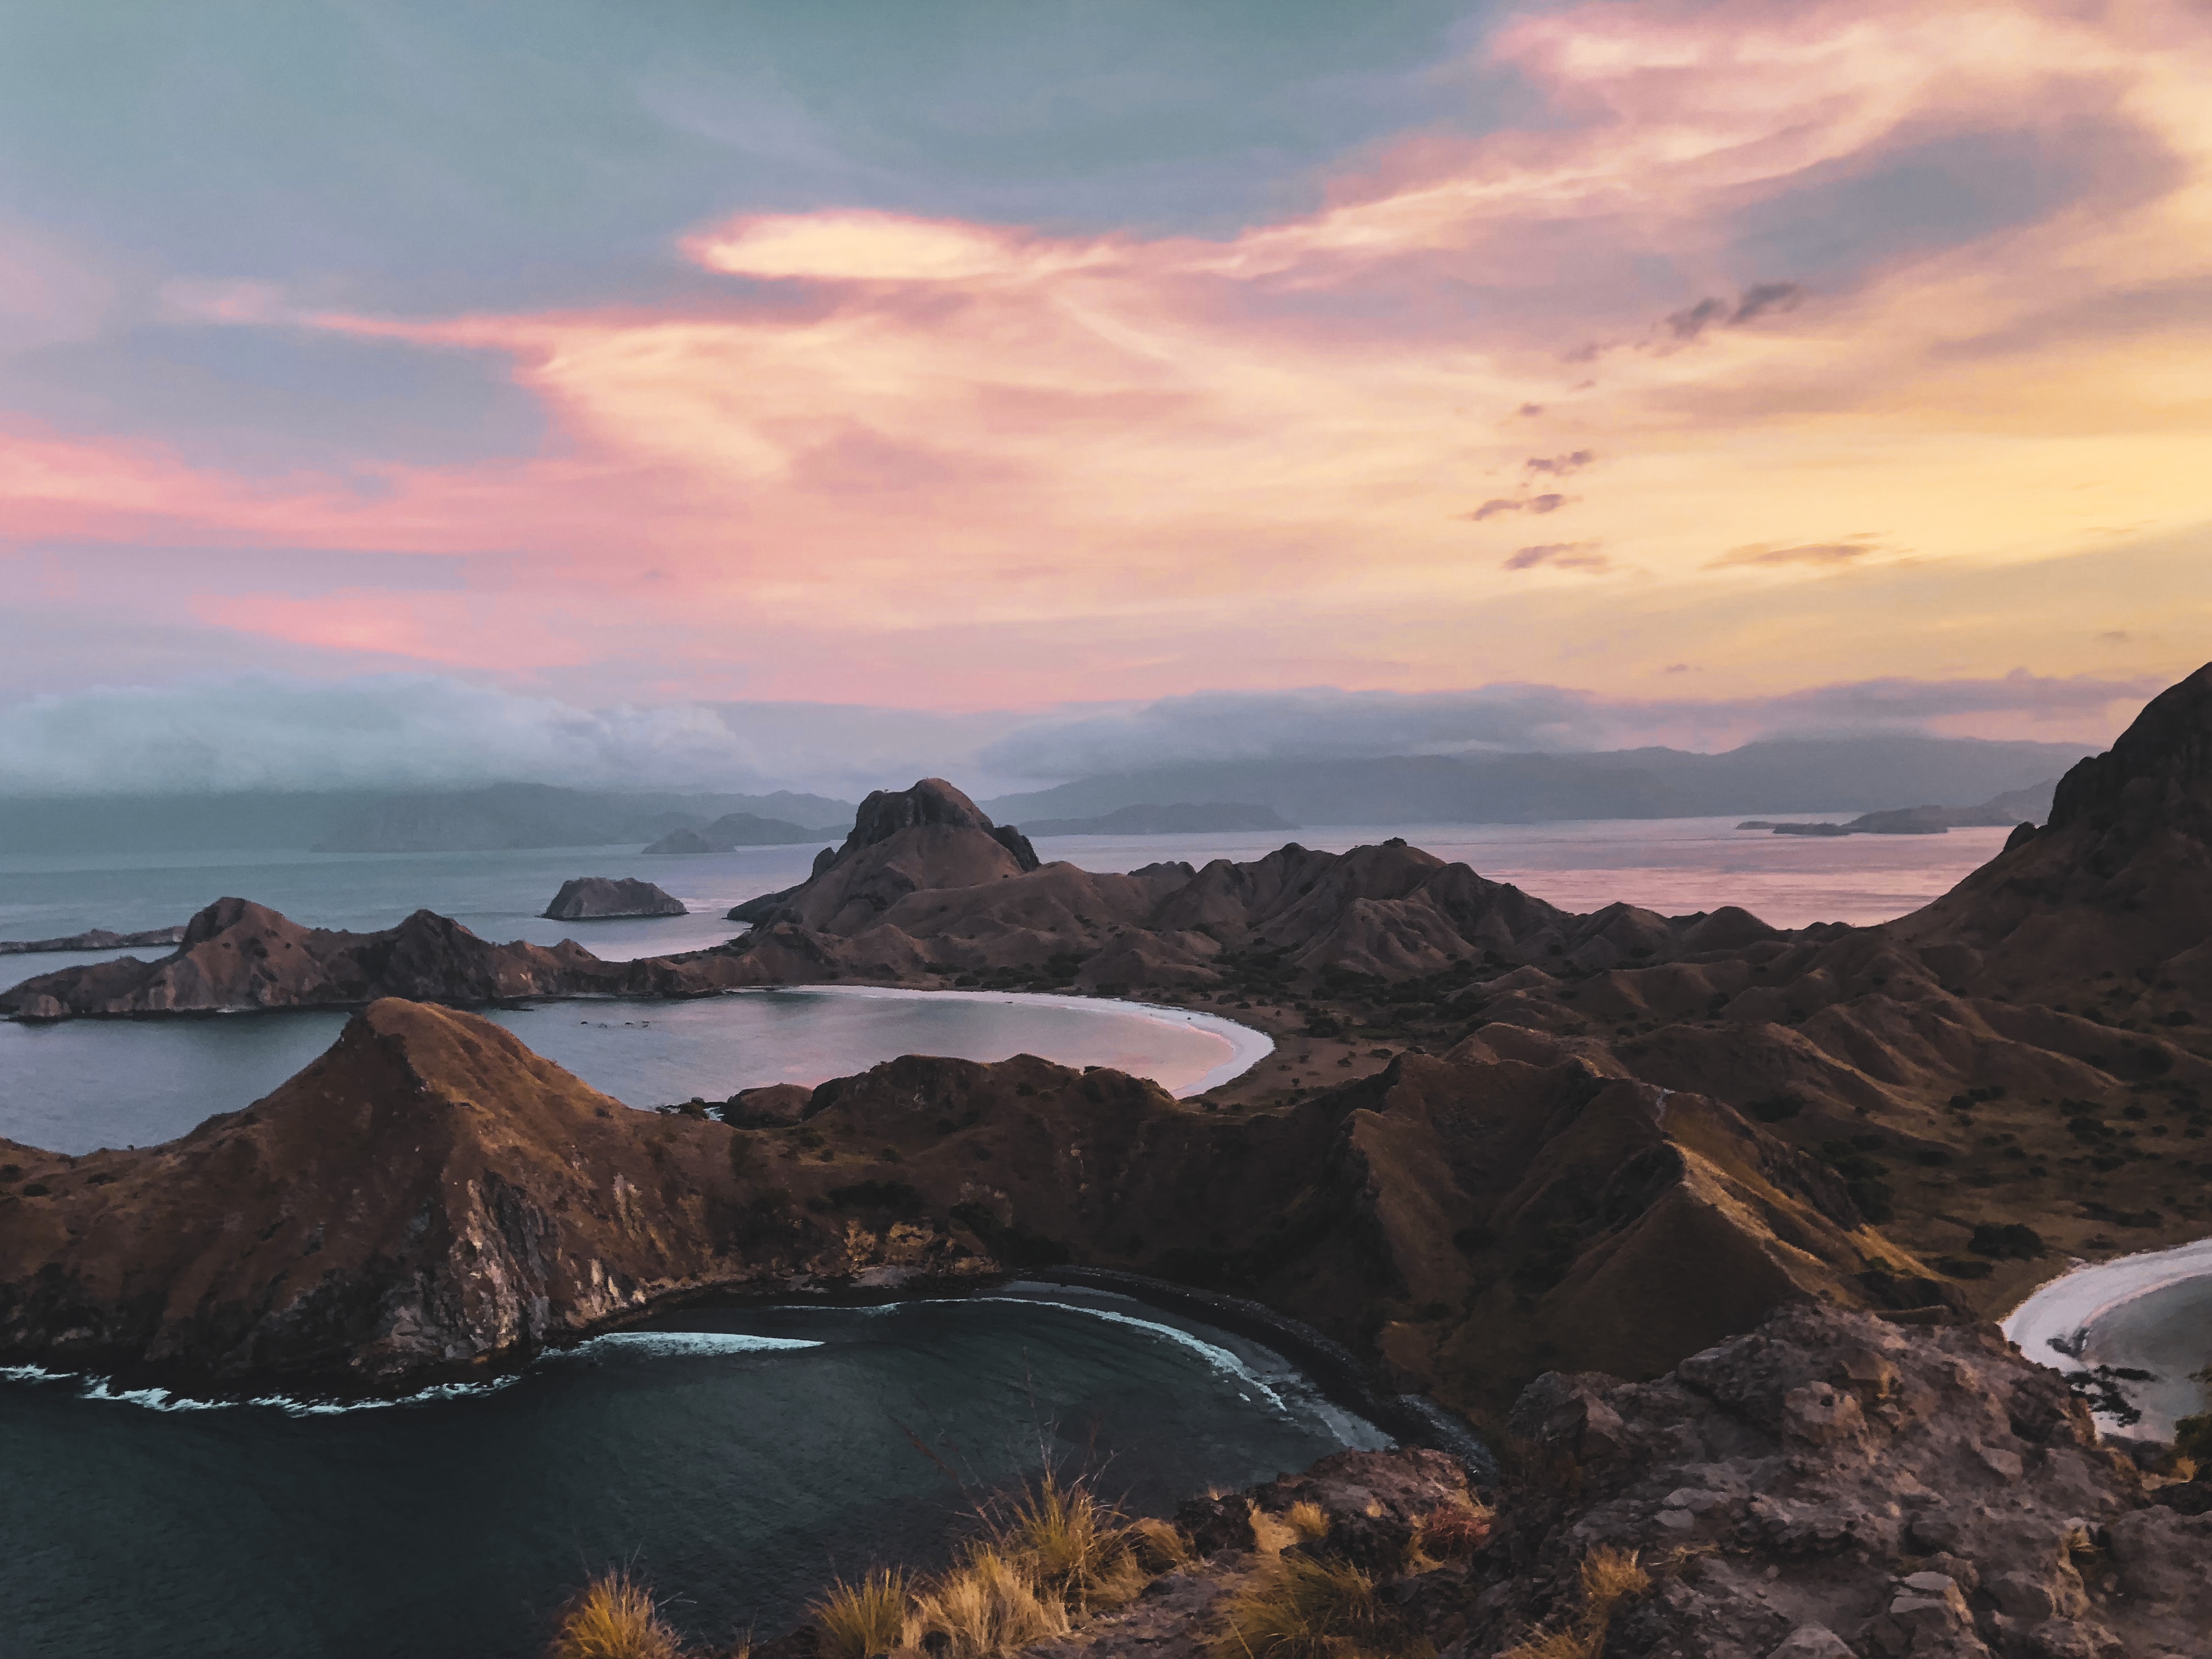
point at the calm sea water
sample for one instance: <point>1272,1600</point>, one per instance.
<point>84,1083</point>
<point>735,1475</point>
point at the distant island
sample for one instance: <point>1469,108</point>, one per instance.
<point>598,898</point>
<point>734,829</point>
<point>2004,811</point>
<point>1149,818</point>
<point>98,939</point>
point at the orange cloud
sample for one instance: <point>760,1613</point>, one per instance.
<point>1117,465</point>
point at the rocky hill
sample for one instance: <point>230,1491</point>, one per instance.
<point>926,886</point>
<point>236,954</point>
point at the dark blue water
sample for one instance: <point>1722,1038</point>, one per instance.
<point>736,1478</point>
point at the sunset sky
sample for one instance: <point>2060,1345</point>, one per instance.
<point>1515,375</point>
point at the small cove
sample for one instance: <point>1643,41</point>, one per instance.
<point>737,1458</point>
<point>2149,1312</point>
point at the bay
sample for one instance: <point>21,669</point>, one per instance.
<point>737,1476</point>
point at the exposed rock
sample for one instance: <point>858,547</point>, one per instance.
<point>99,939</point>
<point>1773,1497</point>
<point>598,898</point>
<point>1833,1485</point>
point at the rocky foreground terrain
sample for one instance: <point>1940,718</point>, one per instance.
<point>1827,1486</point>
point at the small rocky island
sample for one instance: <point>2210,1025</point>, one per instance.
<point>602,898</point>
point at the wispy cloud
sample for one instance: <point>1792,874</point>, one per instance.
<point>1564,555</point>
<point>1845,551</point>
<point>870,454</point>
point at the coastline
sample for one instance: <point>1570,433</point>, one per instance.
<point>1248,1044</point>
<point>2075,1314</point>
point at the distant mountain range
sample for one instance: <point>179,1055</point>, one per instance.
<point>1176,818</point>
<point>2014,806</point>
<point>1841,774</point>
<point>494,817</point>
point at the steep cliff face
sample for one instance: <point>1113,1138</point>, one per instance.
<point>2119,882</point>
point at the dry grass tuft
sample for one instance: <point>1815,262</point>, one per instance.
<point>859,1620</point>
<point>1070,1543</point>
<point>614,1618</point>
<point>1160,1545</point>
<point>1271,1534</point>
<point>1303,1608</point>
<point>1611,1576</point>
<point>1452,1532</point>
<point>986,1608</point>
<point>1308,1520</point>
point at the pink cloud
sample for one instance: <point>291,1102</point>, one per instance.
<point>1066,450</point>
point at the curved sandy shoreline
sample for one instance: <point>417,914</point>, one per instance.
<point>1247,1045</point>
<point>2151,1311</point>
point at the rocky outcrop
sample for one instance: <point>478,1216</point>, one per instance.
<point>596,897</point>
<point>99,939</point>
<point>1830,1484</point>
<point>1828,1487</point>
<point>236,954</point>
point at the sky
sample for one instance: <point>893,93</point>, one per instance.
<point>437,390</point>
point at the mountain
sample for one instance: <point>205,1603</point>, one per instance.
<point>1851,775</point>
<point>2108,906</point>
<point>496,815</point>
<point>1179,818</point>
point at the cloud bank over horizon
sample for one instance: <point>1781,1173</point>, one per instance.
<point>430,732</point>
